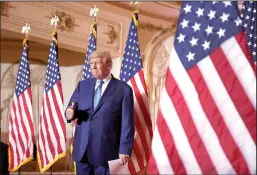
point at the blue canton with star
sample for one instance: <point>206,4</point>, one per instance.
<point>248,16</point>
<point>23,76</point>
<point>203,27</point>
<point>131,61</point>
<point>52,71</point>
<point>91,47</point>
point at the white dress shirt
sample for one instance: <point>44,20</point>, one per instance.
<point>106,82</point>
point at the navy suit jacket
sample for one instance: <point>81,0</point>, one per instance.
<point>107,131</point>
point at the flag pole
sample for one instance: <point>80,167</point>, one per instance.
<point>54,21</point>
<point>19,171</point>
<point>51,170</point>
<point>93,12</point>
<point>25,29</point>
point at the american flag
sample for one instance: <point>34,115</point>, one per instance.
<point>248,16</point>
<point>207,118</point>
<point>86,69</point>
<point>52,130</point>
<point>132,73</point>
<point>91,48</point>
<point>21,128</point>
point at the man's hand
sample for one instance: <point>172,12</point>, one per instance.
<point>124,159</point>
<point>70,111</point>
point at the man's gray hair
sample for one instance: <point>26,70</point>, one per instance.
<point>100,54</point>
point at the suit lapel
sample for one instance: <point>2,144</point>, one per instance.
<point>109,89</point>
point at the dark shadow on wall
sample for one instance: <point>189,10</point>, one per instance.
<point>4,159</point>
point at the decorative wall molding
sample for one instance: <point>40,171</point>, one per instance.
<point>74,29</point>
<point>158,28</point>
<point>155,66</point>
<point>4,7</point>
<point>112,34</point>
<point>66,21</point>
<point>172,7</point>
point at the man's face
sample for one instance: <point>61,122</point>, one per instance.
<point>99,68</point>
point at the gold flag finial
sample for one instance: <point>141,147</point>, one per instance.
<point>94,11</point>
<point>26,29</point>
<point>136,4</point>
<point>54,21</point>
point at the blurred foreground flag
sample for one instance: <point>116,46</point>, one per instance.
<point>207,118</point>
<point>248,16</point>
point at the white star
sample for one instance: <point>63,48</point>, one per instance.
<point>254,11</point>
<point>221,32</point>
<point>249,9</point>
<point>250,35</point>
<point>227,3</point>
<point>181,38</point>
<point>238,21</point>
<point>199,12</point>
<point>190,56</point>
<point>245,25</point>
<point>196,27</point>
<point>184,23</point>
<point>212,14</point>
<point>224,17</point>
<point>249,43</point>
<point>209,30</point>
<point>214,2</point>
<point>247,17</point>
<point>206,45</point>
<point>254,45</point>
<point>193,41</point>
<point>253,19</point>
<point>251,27</point>
<point>254,53</point>
<point>187,8</point>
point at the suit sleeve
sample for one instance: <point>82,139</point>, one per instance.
<point>127,124</point>
<point>74,98</point>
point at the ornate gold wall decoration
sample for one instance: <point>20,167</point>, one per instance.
<point>154,28</point>
<point>156,60</point>
<point>112,34</point>
<point>66,21</point>
<point>4,8</point>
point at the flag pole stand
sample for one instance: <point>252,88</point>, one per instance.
<point>19,171</point>
<point>51,170</point>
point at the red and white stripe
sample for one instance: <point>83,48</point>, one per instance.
<point>21,131</point>
<point>207,118</point>
<point>52,130</point>
<point>143,125</point>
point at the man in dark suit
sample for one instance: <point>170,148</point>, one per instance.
<point>104,109</point>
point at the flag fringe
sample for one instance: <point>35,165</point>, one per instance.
<point>18,166</point>
<point>134,17</point>
<point>57,157</point>
<point>54,33</point>
<point>93,29</point>
<point>71,149</point>
<point>25,43</point>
